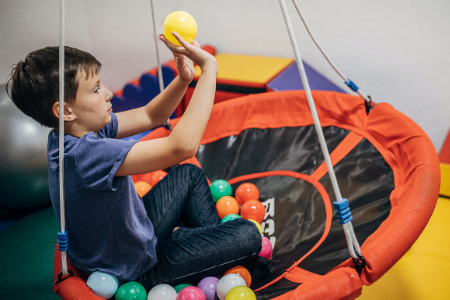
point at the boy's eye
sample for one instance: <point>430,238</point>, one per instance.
<point>96,90</point>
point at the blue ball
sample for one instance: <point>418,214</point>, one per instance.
<point>102,284</point>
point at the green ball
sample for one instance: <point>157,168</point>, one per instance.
<point>131,291</point>
<point>230,217</point>
<point>181,286</point>
<point>220,188</point>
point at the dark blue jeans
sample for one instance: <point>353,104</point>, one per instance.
<point>205,247</point>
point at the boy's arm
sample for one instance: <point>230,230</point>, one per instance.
<point>157,111</point>
<point>184,140</point>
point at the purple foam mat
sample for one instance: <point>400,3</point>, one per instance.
<point>289,80</point>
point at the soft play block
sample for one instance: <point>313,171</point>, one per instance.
<point>445,180</point>
<point>241,75</point>
<point>444,154</point>
<point>289,80</point>
<point>422,273</point>
<point>139,92</point>
<point>247,70</point>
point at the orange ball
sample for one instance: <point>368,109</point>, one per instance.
<point>154,177</point>
<point>241,271</point>
<point>227,205</point>
<point>142,188</point>
<point>253,209</point>
<point>246,191</point>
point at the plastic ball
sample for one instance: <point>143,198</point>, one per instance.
<point>131,291</point>
<point>230,217</point>
<point>142,188</point>
<point>154,177</point>
<point>102,284</point>
<point>181,22</point>
<point>227,282</point>
<point>220,188</point>
<point>246,191</point>
<point>208,285</point>
<point>181,286</point>
<point>253,209</point>
<point>257,225</point>
<point>162,292</point>
<point>266,250</point>
<point>227,205</point>
<point>243,272</point>
<point>191,293</point>
<point>240,293</point>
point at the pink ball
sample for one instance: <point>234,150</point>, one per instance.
<point>191,293</point>
<point>266,250</point>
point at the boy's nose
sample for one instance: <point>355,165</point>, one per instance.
<point>109,95</point>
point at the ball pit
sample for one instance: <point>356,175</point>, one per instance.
<point>253,209</point>
<point>142,188</point>
<point>227,282</point>
<point>162,292</point>
<point>227,205</point>
<point>131,291</point>
<point>243,272</point>
<point>220,188</point>
<point>245,192</point>
<point>181,22</point>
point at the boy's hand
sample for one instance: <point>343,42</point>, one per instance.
<point>185,67</point>
<point>202,58</point>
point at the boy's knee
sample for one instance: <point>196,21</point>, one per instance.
<point>189,170</point>
<point>250,233</point>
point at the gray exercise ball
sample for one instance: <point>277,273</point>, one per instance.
<point>23,158</point>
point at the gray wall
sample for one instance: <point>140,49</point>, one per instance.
<point>396,51</point>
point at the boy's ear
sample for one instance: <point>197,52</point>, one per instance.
<point>68,114</point>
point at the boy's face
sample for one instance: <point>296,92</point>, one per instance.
<point>92,106</point>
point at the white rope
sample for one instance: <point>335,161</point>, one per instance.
<point>348,229</point>
<point>160,75</point>
<point>61,130</point>
<point>361,94</point>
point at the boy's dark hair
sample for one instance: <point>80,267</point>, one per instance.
<point>34,82</point>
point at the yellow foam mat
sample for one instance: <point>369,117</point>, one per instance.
<point>424,271</point>
<point>445,180</point>
<point>248,68</point>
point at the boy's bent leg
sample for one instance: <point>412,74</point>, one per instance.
<point>184,190</point>
<point>211,252</point>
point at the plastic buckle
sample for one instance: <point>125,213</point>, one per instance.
<point>343,211</point>
<point>168,126</point>
<point>60,279</point>
<point>360,263</point>
<point>352,85</point>
<point>368,105</point>
<point>63,241</point>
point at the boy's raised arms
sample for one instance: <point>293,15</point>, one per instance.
<point>157,111</point>
<point>184,140</point>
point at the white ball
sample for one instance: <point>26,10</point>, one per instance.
<point>162,292</point>
<point>102,284</point>
<point>227,282</point>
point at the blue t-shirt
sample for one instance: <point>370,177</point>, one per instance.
<point>106,221</point>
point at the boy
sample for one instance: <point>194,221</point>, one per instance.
<point>110,228</point>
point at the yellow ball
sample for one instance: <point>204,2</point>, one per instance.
<point>257,225</point>
<point>240,293</point>
<point>181,22</point>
